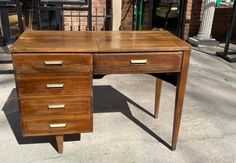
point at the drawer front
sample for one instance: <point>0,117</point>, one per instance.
<point>57,125</point>
<point>56,106</point>
<point>49,85</point>
<point>52,63</point>
<point>137,62</point>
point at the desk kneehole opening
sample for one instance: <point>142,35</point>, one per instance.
<point>57,125</point>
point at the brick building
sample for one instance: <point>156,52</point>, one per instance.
<point>192,16</point>
<point>99,8</point>
<point>193,12</point>
<point>102,8</point>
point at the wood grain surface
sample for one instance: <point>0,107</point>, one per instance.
<point>105,63</point>
<point>36,85</point>
<point>40,125</point>
<point>40,106</point>
<point>72,58</point>
<point>98,41</point>
<point>35,63</point>
<point>179,98</point>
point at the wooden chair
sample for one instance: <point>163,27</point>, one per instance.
<point>10,15</point>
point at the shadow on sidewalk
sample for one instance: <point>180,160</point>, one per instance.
<point>12,114</point>
<point>106,99</point>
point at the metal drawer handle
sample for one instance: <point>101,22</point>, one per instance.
<point>139,61</point>
<point>55,85</point>
<point>57,125</point>
<point>56,107</point>
<point>53,63</point>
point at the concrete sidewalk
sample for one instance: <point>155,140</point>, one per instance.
<point>125,131</point>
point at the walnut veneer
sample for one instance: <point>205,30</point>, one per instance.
<point>54,72</point>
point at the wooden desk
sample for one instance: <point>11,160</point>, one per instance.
<point>54,72</point>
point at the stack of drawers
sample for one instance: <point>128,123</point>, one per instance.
<point>55,93</point>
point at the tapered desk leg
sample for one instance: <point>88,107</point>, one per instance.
<point>59,142</point>
<point>157,97</point>
<point>179,98</point>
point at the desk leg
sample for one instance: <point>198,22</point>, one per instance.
<point>179,98</point>
<point>157,97</point>
<point>59,142</point>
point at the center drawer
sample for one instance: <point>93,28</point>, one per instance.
<point>51,85</point>
<point>57,125</point>
<point>107,63</point>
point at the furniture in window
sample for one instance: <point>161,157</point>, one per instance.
<point>10,15</point>
<point>167,9</point>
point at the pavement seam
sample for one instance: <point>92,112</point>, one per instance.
<point>209,138</point>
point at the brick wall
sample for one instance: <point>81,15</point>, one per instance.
<point>98,8</point>
<point>194,9</point>
<point>192,17</point>
<point>221,23</point>
<point>127,15</point>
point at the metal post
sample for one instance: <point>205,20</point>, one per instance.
<point>71,21</point>
<point>90,15</point>
<point>230,31</point>
<point>180,18</point>
<point>19,16</point>
<point>79,26</point>
<point>37,14</point>
<point>6,32</point>
<point>111,18</point>
<point>62,20</point>
<point>96,19</point>
<point>135,15</point>
<point>150,6</point>
<point>140,15</point>
<point>133,26</point>
<point>58,18</point>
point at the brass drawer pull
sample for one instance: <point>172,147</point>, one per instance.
<point>57,125</point>
<point>53,63</point>
<point>55,85</point>
<point>56,107</point>
<point>139,61</point>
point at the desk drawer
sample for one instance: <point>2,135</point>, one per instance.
<point>56,106</point>
<point>57,125</point>
<point>48,85</point>
<point>52,63</point>
<point>137,62</point>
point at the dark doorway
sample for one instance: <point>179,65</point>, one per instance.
<point>167,14</point>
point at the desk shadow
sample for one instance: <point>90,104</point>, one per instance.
<point>12,114</point>
<point>106,99</point>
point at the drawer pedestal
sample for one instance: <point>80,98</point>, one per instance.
<point>55,94</point>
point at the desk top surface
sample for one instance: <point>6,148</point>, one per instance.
<point>102,41</point>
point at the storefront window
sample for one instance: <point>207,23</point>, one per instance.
<point>225,3</point>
